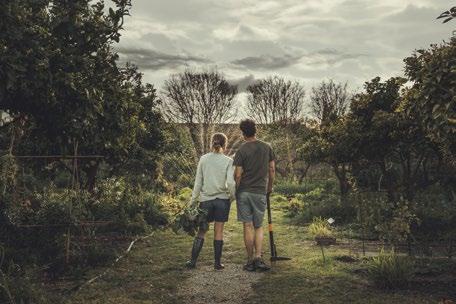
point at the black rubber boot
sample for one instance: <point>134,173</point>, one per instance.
<point>196,249</point>
<point>218,246</point>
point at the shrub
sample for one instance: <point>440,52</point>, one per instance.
<point>389,270</point>
<point>16,284</point>
<point>154,213</point>
<point>320,228</point>
<point>320,203</point>
<point>292,189</point>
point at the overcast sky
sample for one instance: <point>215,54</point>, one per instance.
<point>306,40</point>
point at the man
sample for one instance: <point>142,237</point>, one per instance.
<point>254,174</point>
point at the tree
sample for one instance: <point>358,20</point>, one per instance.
<point>433,74</point>
<point>200,100</point>
<point>278,105</point>
<point>332,141</point>
<point>329,101</point>
<point>335,145</point>
<point>59,74</point>
<point>275,100</point>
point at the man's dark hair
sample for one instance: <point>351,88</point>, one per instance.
<point>248,127</point>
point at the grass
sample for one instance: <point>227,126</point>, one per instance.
<point>154,270</point>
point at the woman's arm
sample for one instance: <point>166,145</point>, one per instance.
<point>230,183</point>
<point>198,183</point>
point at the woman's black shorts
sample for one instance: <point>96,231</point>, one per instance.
<point>217,209</point>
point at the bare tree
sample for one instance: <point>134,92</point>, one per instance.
<point>278,104</point>
<point>274,100</point>
<point>328,101</point>
<point>200,100</point>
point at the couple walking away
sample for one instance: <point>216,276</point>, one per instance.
<point>249,179</point>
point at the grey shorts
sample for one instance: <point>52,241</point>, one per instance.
<point>251,207</point>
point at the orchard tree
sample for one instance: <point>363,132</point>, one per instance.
<point>433,74</point>
<point>200,100</point>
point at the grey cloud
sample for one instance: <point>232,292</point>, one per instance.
<point>266,62</point>
<point>352,40</point>
<point>148,59</point>
<point>414,15</point>
<point>331,57</point>
<point>269,62</point>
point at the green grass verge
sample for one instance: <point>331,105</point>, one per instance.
<point>154,269</point>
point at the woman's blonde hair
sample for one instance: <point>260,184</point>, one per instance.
<point>219,141</point>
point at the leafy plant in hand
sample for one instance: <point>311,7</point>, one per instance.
<point>190,220</point>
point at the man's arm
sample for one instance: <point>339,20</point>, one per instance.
<point>238,175</point>
<point>271,175</point>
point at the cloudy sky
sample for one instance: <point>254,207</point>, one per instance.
<point>305,40</point>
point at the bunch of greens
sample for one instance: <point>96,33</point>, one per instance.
<point>190,220</point>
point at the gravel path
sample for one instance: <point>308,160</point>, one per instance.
<point>229,286</point>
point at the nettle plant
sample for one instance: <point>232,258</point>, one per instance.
<point>8,172</point>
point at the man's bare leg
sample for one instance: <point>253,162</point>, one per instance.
<point>249,239</point>
<point>259,236</point>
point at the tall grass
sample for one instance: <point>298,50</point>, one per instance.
<point>391,271</point>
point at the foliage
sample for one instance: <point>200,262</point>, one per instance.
<point>390,270</point>
<point>320,228</point>
<point>396,222</point>
<point>448,15</point>
<point>61,84</point>
<point>291,189</point>
<point>124,210</point>
<point>191,220</point>
<point>16,284</point>
<point>433,73</point>
<point>8,172</point>
<point>319,202</point>
<point>283,137</point>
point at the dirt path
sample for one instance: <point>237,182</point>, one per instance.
<point>230,286</point>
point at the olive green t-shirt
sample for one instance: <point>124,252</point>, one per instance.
<point>254,158</point>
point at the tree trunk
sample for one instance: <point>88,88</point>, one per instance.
<point>303,174</point>
<point>388,182</point>
<point>195,134</point>
<point>91,173</point>
<point>344,185</point>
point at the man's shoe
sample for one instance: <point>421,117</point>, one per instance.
<point>219,266</point>
<point>250,266</point>
<point>260,264</point>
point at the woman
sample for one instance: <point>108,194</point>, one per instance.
<point>214,188</point>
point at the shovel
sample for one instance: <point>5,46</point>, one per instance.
<point>274,256</point>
